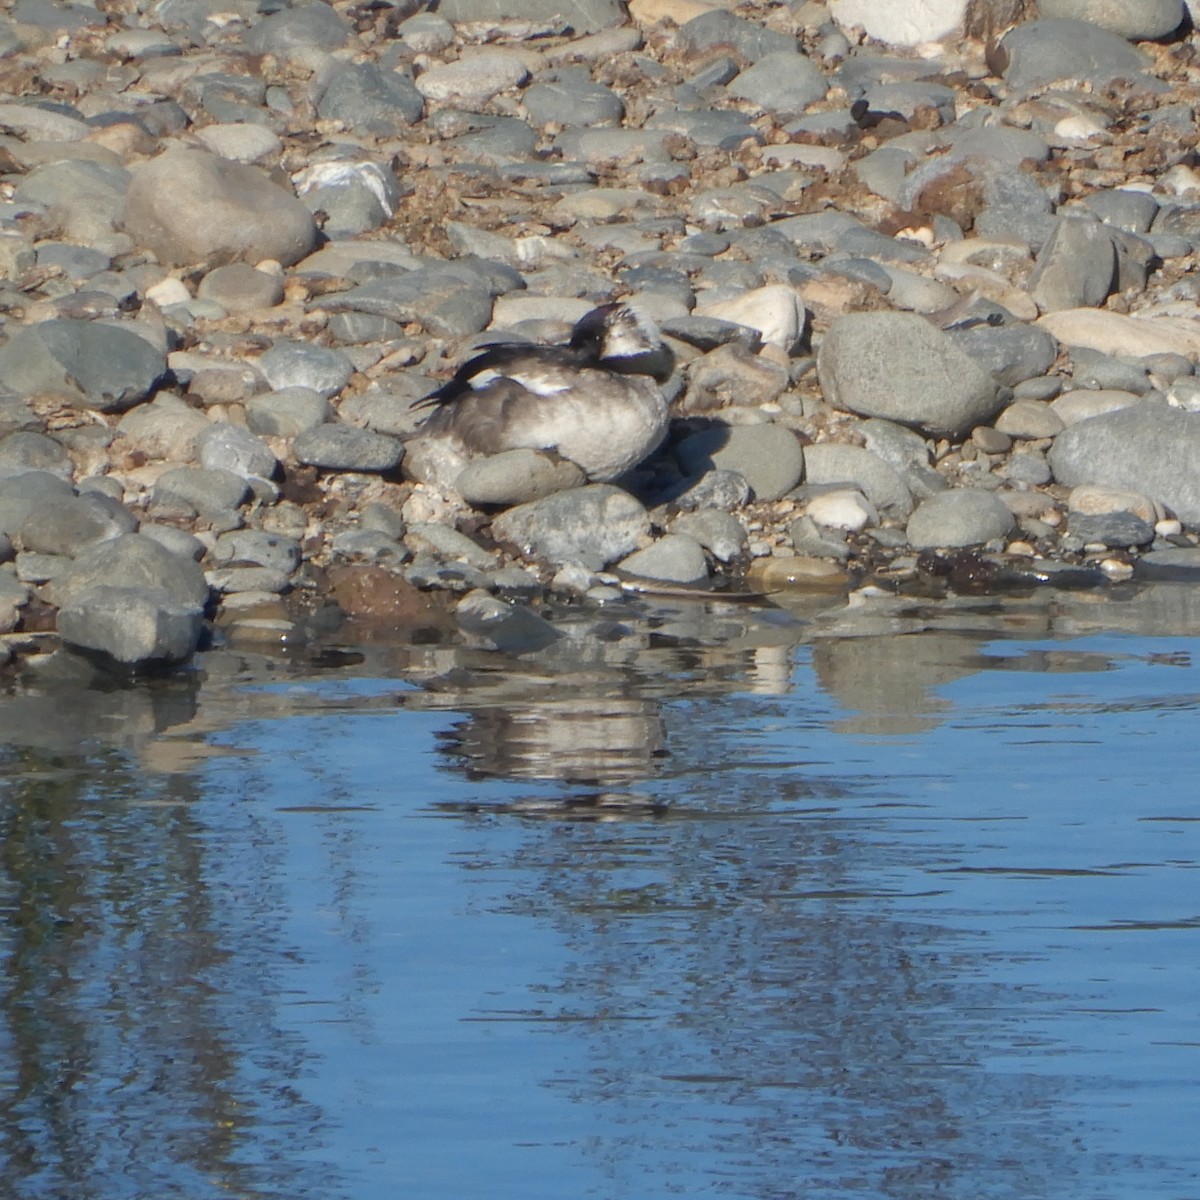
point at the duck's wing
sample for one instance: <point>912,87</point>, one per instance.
<point>536,368</point>
<point>497,416</point>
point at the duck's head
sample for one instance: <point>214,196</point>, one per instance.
<point>618,338</point>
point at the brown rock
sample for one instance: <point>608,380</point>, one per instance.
<point>373,594</point>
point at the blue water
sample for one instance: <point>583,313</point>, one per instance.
<point>909,917</point>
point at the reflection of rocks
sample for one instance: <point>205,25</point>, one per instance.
<point>65,705</point>
<point>603,741</point>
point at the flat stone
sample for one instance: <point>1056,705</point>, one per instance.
<point>1043,52</point>
<point>1011,354</point>
<point>294,34</point>
<point>1137,21</point>
<point>961,517</point>
<point>582,16</point>
<point>1116,333</point>
<point>240,288</point>
<point>1082,403</point>
<point>769,457</point>
<point>593,525</point>
<point>471,81</point>
<point>516,477</point>
<point>190,207</point>
<point>27,493</point>
<point>86,363</point>
<point>719,28</point>
<point>337,447</point>
<point>1030,419</point>
<point>898,366</point>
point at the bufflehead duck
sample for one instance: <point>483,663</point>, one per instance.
<point>594,400</point>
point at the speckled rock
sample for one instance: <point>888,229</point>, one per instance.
<point>336,447</point>
<point>132,626</point>
<point>516,477</point>
<point>593,525</point>
<point>962,517</point>
<point>191,207</point>
<point>1149,447</point>
<point>898,366</point>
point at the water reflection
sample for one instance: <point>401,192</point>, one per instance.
<point>845,930</point>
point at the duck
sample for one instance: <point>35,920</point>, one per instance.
<point>594,400</point>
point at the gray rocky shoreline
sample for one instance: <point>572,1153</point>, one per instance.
<point>928,273</point>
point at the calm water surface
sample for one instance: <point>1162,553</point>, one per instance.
<point>895,903</point>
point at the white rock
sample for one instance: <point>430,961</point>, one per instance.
<point>901,22</point>
<point>168,291</point>
<point>777,312</point>
<point>1117,334</point>
<point>846,508</point>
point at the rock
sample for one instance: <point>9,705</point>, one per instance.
<point>898,366</point>
<point>911,22</point>
<point>227,447</point>
<point>673,558</point>
<point>516,477</point>
<point>26,451</point>
<point>447,544</point>
<point>719,532</point>
<point>828,463</point>
<point>1117,529</point>
<point>768,457</point>
<point>572,99</point>
<point>1148,447</point>
<point>133,626</point>
<point>583,16</point>
<point>336,447</point>
<point>731,375</point>
<point>27,493</point>
<point>299,35</point>
<point>1083,403</point>
<point>287,412</point>
<point>777,313</point>
<point>166,428</point>
<point>1030,419</point>
<point>86,363</point>
<point>370,100</point>
<point>71,523</point>
<point>1137,21</point>
<point>190,207</point>
<point>782,81</point>
<point>471,81</point>
<point>211,493</point>
<point>1116,333</point>
<point>797,573</point>
<point>371,593</point>
<point>963,517</point>
<point>1044,52</point>
<point>842,508</point>
<point>1009,353</point>
<point>240,288</point>
<point>135,561</point>
<point>1076,268</point>
<point>300,365</point>
<point>509,628</point>
<point>718,28</point>
<point>593,525</point>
